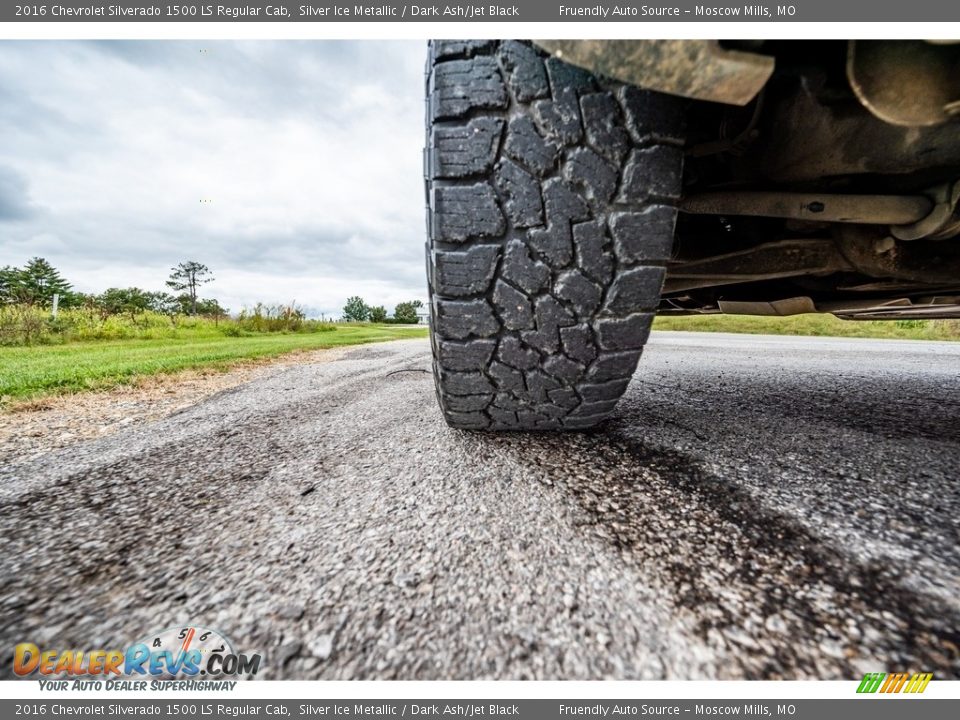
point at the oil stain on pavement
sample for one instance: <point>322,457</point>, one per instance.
<point>757,508</point>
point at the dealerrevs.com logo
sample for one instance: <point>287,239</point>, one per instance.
<point>174,653</point>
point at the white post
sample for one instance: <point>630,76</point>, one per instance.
<point>56,304</point>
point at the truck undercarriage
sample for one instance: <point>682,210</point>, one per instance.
<point>823,177</point>
<point>575,189</point>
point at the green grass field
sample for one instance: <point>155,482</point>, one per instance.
<point>152,346</point>
<point>816,325</point>
<point>28,372</point>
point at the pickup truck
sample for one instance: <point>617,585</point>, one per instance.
<point>577,188</point>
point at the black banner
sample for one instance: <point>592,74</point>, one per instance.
<point>518,11</point>
<point>875,708</point>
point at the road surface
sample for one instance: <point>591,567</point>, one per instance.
<point>759,507</point>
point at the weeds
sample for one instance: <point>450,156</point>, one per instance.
<point>816,325</point>
<point>278,318</point>
<point>32,325</point>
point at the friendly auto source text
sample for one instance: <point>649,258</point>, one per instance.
<point>614,11</point>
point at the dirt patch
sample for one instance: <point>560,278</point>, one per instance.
<point>34,427</point>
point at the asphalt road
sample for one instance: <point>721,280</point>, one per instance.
<point>759,507</point>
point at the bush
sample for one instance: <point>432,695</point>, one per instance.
<point>24,325</point>
<point>946,328</point>
<point>356,310</point>
<point>32,325</point>
<point>279,318</point>
<point>406,312</point>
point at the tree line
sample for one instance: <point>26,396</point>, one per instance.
<point>38,282</point>
<point>356,310</point>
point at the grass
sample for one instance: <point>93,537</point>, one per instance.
<point>32,325</point>
<point>86,353</point>
<point>28,372</point>
<point>817,325</point>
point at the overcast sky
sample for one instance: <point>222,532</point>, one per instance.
<point>309,154</point>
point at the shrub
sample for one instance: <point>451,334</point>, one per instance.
<point>24,325</point>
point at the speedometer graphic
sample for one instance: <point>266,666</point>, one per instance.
<point>188,651</point>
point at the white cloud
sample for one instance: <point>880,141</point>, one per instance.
<point>307,153</point>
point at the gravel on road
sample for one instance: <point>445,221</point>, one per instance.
<point>758,507</point>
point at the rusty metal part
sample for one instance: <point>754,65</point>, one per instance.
<point>937,307</point>
<point>697,69</point>
<point>874,254</point>
<point>804,139</point>
<point>769,261</point>
<point>910,83</point>
<point>854,249</point>
<point>941,223</point>
<point>784,306</point>
<point>820,207</point>
<point>735,145</point>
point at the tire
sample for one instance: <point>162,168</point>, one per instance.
<point>551,210</point>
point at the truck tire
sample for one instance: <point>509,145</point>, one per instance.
<point>551,208</point>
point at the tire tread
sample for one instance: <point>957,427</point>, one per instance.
<point>551,207</point>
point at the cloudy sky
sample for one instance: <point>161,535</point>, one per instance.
<point>306,153</point>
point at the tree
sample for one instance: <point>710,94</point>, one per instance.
<point>186,277</point>
<point>132,300</point>
<point>9,284</point>
<point>212,308</point>
<point>184,304</point>
<point>164,304</point>
<point>356,309</point>
<point>35,284</point>
<point>378,314</point>
<point>72,299</point>
<point>87,301</point>
<point>406,312</point>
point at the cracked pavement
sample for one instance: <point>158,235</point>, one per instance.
<point>757,507</point>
